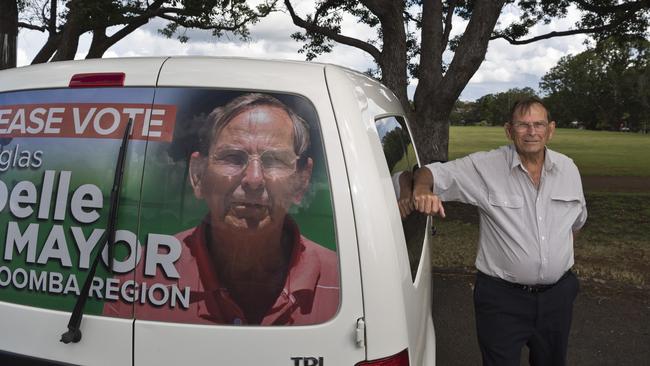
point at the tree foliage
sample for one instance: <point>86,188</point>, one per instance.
<point>465,113</point>
<point>109,21</point>
<point>490,109</point>
<point>495,108</point>
<point>603,87</point>
<point>409,38</point>
<point>600,18</point>
<point>393,146</point>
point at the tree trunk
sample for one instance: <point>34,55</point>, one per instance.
<point>47,50</point>
<point>435,96</point>
<point>99,43</point>
<point>45,53</point>
<point>431,133</point>
<point>8,33</point>
<point>69,43</point>
<point>393,62</point>
<point>67,47</point>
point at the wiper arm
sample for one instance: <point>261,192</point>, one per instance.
<point>108,238</point>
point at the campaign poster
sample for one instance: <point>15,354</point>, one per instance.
<point>224,215</point>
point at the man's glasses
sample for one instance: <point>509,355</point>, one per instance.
<point>274,163</point>
<point>523,126</point>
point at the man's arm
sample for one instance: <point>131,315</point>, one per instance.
<point>424,200</point>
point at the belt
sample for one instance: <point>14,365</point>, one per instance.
<point>527,288</point>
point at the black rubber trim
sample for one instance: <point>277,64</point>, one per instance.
<point>15,359</point>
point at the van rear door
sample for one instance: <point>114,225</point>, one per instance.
<point>229,174</point>
<point>60,132</point>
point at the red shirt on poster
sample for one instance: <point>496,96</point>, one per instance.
<point>310,294</point>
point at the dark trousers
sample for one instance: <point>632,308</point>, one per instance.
<point>507,318</point>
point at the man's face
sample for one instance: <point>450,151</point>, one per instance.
<point>530,130</point>
<point>250,179</point>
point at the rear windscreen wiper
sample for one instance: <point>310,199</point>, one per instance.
<point>108,238</point>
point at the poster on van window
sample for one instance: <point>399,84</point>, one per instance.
<point>224,217</point>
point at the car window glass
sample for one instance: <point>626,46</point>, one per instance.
<point>237,216</point>
<point>401,159</point>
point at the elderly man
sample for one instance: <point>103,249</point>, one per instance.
<point>531,204</point>
<point>246,263</point>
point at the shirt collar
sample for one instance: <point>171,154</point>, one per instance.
<point>304,267</point>
<point>549,159</point>
<point>299,286</point>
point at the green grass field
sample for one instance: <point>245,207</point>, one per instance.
<point>595,152</point>
<point>614,245</point>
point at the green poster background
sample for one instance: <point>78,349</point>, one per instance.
<point>90,161</point>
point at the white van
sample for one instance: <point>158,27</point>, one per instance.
<point>249,209</point>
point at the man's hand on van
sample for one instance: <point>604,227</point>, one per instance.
<point>424,200</point>
<point>428,203</point>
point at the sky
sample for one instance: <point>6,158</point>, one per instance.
<point>505,66</point>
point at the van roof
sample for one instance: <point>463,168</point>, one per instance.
<point>141,71</point>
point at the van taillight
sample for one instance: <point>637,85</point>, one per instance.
<point>400,359</point>
<point>97,79</point>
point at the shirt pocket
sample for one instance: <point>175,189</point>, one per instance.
<point>565,207</point>
<point>506,210</point>
<point>505,200</point>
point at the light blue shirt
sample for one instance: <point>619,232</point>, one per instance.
<point>526,232</point>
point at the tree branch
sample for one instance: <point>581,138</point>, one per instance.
<point>410,17</point>
<point>176,15</point>
<point>100,43</point>
<point>471,50</point>
<point>448,24</point>
<point>378,7</point>
<point>323,9</point>
<point>330,33</point>
<point>164,13</point>
<point>51,23</point>
<point>48,49</point>
<point>430,71</point>
<point>40,28</point>
<point>560,34</point>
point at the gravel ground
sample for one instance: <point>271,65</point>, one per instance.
<point>611,326</point>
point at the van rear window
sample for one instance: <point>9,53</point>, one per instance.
<point>225,215</point>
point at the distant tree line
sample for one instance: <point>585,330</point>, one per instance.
<point>490,109</point>
<point>606,87</point>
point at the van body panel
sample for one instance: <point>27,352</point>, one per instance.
<point>243,74</point>
<point>172,344</point>
<point>419,305</point>
<point>333,340</point>
<point>393,322</point>
<point>380,258</point>
<point>36,332</point>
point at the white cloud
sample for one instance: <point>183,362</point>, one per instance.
<point>21,57</point>
<point>507,66</point>
<point>29,43</point>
